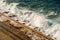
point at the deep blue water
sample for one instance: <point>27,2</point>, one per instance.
<point>47,5</point>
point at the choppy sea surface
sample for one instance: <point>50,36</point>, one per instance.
<point>37,5</point>
<point>44,14</point>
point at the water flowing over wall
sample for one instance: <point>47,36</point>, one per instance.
<point>44,14</point>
